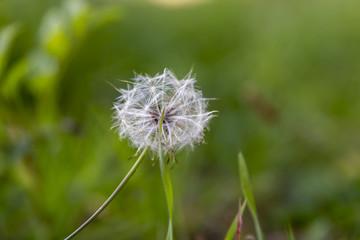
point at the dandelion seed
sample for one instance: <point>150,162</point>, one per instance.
<point>139,109</point>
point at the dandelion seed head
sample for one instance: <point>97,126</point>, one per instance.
<point>139,108</point>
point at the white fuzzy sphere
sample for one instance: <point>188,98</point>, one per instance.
<point>139,109</point>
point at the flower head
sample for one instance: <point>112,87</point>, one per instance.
<point>140,108</point>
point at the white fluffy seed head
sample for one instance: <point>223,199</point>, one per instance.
<point>138,112</point>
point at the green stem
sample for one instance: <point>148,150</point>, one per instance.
<point>165,175</point>
<point>166,179</point>
<point>258,230</point>
<point>112,196</point>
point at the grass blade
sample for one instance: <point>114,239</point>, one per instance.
<point>248,193</point>
<point>290,232</point>
<point>234,225</point>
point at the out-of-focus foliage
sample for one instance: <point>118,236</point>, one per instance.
<point>287,78</point>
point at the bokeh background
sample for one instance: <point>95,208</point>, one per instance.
<point>287,78</point>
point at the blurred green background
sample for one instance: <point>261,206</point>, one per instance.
<point>287,78</point>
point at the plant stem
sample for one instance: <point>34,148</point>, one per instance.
<point>165,175</point>
<point>112,196</point>
<point>233,228</point>
<point>166,179</point>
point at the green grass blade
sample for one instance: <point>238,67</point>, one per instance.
<point>232,230</point>
<point>290,232</point>
<point>248,193</point>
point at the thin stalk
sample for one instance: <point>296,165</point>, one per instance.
<point>258,230</point>
<point>112,196</point>
<point>166,179</point>
<point>234,225</point>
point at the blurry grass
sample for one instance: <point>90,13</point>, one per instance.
<point>247,191</point>
<point>290,233</point>
<point>7,35</point>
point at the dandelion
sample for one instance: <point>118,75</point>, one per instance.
<point>140,108</point>
<point>163,114</point>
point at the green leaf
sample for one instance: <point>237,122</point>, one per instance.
<point>232,230</point>
<point>54,34</point>
<point>13,79</point>
<point>290,232</point>
<point>79,14</point>
<point>43,72</point>
<point>7,36</point>
<point>248,193</point>
<point>105,16</point>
